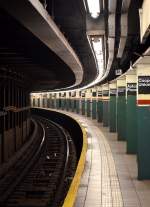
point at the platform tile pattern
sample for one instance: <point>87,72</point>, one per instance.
<point>110,175</point>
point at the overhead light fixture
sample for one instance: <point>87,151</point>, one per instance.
<point>98,49</point>
<point>94,7</point>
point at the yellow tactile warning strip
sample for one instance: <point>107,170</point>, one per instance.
<point>72,193</point>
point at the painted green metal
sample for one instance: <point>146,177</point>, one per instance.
<point>77,106</point>
<point>72,105</point>
<point>131,124</point>
<point>67,104</point>
<point>83,107</point>
<point>63,104</point>
<point>59,103</point>
<point>112,114</point>
<point>47,103</point>
<point>88,108</point>
<point>121,117</point>
<point>99,110</point>
<point>143,133</point>
<point>50,103</point>
<point>53,103</point>
<point>105,113</point>
<point>94,109</point>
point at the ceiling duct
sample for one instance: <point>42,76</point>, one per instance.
<point>112,6</point>
<point>111,35</point>
<point>124,27</point>
<point>111,25</point>
<point>125,5</point>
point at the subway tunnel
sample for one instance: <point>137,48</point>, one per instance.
<point>75,103</point>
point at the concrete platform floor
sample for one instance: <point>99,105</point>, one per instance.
<point>110,175</point>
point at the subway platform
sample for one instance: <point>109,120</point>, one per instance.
<point>110,175</point>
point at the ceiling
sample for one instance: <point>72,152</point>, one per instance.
<point>22,51</point>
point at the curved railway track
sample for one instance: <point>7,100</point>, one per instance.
<point>42,175</point>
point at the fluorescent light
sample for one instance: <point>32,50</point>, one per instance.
<point>97,46</point>
<point>94,8</point>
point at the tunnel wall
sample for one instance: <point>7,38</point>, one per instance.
<point>14,113</point>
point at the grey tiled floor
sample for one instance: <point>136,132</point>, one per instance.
<point>109,178</point>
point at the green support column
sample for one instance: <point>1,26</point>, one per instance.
<point>67,105</point>
<point>88,108</point>
<point>67,102</point>
<point>73,101</point>
<point>72,104</point>
<point>83,103</point>
<point>143,122</point>
<point>59,95</point>
<point>57,100</point>
<point>57,103</point>
<point>99,110</point>
<point>143,118</point>
<point>83,107</point>
<point>105,105</point>
<point>121,109</point>
<point>94,112</point>
<point>99,105</point>
<point>77,106</point>
<point>49,101</point>
<point>131,115</point>
<point>112,107</point>
<point>62,103</point>
<point>93,109</point>
<point>76,102</point>
<point>54,101</point>
<point>105,113</point>
<point>88,99</point>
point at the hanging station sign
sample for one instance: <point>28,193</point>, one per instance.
<point>131,88</point>
<point>143,96</point>
<point>83,94</point>
<point>54,95</point>
<point>99,93</point>
<point>121,91</point>
<point>63,94</point>
<point>94,94</point>
<point>113,92</point>
<point>105,92</point>
<point>143,84</point>
<point>73,94</point>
